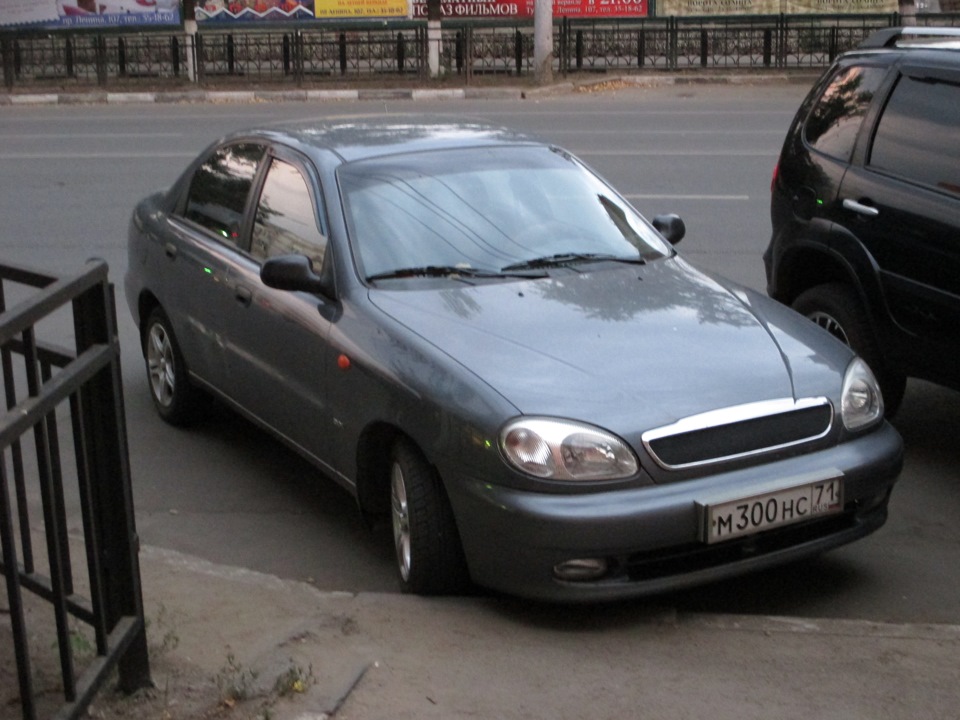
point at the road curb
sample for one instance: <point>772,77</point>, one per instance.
<point>605,82</point>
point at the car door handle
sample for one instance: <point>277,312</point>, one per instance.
<point>243,295</point>
<point>860,208</point>
<point>170,250</point>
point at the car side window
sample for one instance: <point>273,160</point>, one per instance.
<point>285,222</point>
<point>835,119</point>
<point>918,137</point>
<point>219,189</point>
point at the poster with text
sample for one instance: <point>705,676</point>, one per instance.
<point>92,14</point>
<point>229,11</point>
<point>511,9</point>
<point>688,8</point>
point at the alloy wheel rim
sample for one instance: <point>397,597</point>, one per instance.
<point>160,365</point>
<point>401,521</point>
<point>830,324</point>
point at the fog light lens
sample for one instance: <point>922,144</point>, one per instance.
<point>581,569</point>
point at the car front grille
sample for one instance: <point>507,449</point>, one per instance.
<point>738,432</point>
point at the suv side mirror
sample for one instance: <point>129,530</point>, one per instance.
<point>671,227</point>
<point>292,272</point>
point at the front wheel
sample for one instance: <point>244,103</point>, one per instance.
<point>837,309</point>
<point>172,394</point>
<point>429,555</point>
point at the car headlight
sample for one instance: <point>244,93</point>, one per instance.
<point>862,403</point>
<point>564,450</point>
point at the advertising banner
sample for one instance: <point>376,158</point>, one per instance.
<point>89,14</point>
<point>523,9</point>
<point>221,11</point>
<point>687,8</point>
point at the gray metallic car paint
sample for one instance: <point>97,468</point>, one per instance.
<point>627,348</point>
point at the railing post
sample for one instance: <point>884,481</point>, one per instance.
<point>299,57</point>
<point>672,42</point>
<point>704,48</point>
<point>518,51</point>
<point>641,48</point>
<point>579,50</point>
<point>458,51</point>
<point>468,56</point>
<point>285,54</point>
<point>121,57</point>
<point>767,46</point>
<point>343,53</point>
<point>231,55</point>
<point>198,56</point>
<point>175,55</point>
<point>100,45</point>
<point>68,57</point>
<point>108,466</point>
<point>6,52</point>
<point>401,52</point>
<point>15,602</point>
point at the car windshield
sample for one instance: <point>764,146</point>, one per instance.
<point>489,210</point>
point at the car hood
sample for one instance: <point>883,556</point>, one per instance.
<point>661,341</point>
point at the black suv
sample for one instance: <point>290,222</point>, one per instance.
<point>866,207</point>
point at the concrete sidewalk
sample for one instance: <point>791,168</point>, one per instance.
<point>294,653</point>
<point>495,91</point>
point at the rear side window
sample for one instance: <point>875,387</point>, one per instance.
<point>835,119</point>
<point>918,137</point>
<point>219,189</point>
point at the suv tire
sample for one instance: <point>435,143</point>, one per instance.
<point>837,308</point>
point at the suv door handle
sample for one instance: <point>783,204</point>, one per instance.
<point>243,295</point>
<point>860,208</point>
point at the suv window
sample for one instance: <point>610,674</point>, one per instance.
<point>917,136</point>
<point>219,189</point>
<point>834,121</point>
<point>285,222</point>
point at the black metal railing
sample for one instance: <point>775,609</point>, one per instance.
<point>45,387</point>
<point>312,53</point>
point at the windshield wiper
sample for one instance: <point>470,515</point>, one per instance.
<point>561,259</point>
<point>452,271</point>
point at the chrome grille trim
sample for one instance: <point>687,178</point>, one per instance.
<point>783,409</point>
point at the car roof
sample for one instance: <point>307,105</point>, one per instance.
<point>913,37</point>
<point>362,137</point>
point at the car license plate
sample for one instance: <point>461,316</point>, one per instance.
<point>747,515</point>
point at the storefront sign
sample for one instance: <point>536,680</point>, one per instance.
<point>688,8</point>
<point>523,9</point>
<point>304,10</point>
<point>89,14</point>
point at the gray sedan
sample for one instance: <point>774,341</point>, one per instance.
<point>484,343</point>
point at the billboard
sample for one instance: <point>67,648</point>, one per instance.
<point>686,8</point>
<point>89,14</point>
<point>523,9</point>
<point>229,11</point>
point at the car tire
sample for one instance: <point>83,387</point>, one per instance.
<point>173,396</point>
<point>428,552</point>
<point>837,309</point>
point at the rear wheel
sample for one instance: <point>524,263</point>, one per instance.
<point>428,552</point>
<point>837,309</point>
<point>173,395</point>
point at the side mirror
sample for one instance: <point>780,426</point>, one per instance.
<point>292,272</point>
<point>671,227</point>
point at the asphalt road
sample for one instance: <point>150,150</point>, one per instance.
<point>224,491</point>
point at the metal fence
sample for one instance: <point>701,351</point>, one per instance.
<point>313,54</point>
<point>46,388</point>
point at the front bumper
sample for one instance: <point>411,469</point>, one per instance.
<point>650,536</point>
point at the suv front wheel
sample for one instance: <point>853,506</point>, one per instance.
<point>837,309</point>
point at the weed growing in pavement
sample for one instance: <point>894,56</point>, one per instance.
<point>162,635</point>
<point>295,679</point>
<point>234,682</point>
